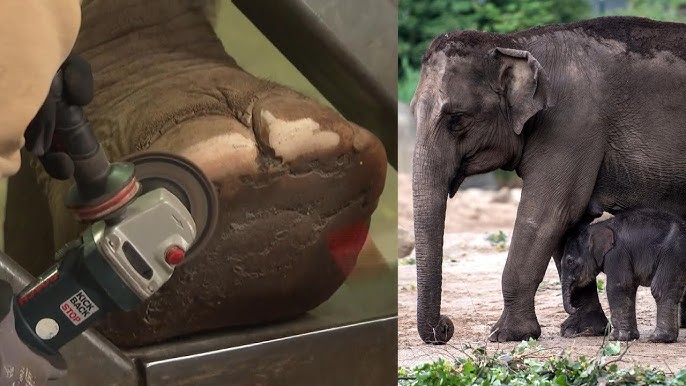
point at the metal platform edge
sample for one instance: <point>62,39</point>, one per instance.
<point>355,354</point>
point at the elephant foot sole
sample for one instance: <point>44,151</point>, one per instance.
<point>592,323</point>
<point>515,328</point>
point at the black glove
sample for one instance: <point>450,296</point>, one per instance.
<point>19,364</point>
<point>73,85</point>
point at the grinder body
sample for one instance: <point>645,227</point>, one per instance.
<point>110,267</point>
<point>144,216</point>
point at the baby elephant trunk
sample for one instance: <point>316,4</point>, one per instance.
<point>567,297</point>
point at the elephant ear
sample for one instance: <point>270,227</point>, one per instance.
<point>602,242</point>
<point>525,84</point>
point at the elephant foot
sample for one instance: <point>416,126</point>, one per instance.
<point>297,183</point>
<point>515,327</point>
<point>438,334</point>
<point>662,336</point>
<point>591,323</point>
<point>624,335</point>
<point>682,318</point>
<point>296,193</point>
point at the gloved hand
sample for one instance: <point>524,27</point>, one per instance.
<point>19,364</point>
<point>75,87</point>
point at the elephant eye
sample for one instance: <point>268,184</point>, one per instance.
<point>454,121</point>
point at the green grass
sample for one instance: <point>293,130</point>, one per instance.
<point>527,364</point>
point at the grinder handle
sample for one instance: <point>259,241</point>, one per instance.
<point>74,134</point>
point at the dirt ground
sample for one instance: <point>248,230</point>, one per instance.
<point>472,295</point>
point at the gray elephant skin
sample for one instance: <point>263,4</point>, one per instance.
<point>581,111</point>
<point>297,183</point>
<point>643,247</point>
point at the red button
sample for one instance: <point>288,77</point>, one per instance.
<point>174,255</point>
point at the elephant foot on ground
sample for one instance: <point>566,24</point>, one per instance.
<point>514,326</point>
<point>438,334</point>
<point>624,335</point>
<point>588,323</point>
<point>662,336</point>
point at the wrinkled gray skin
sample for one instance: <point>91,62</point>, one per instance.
<point>586,110</point>
<point>643,247</point>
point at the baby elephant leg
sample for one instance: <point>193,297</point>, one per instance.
<point>667,300</point>
<point>622,301</point>
<point>683,311</point>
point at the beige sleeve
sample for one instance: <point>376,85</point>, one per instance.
<point>36,36</point>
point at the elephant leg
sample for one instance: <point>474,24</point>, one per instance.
<point>667,328</point>
<point>623,312</point>
<point>537,234</point>
<point>682,308</point>
<point>667,301</point>
<point>532,245</point>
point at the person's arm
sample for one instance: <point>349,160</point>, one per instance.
<point>36,36</point>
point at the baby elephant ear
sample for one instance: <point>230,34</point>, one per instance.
<point>602,242</point>
<point>525,83</point>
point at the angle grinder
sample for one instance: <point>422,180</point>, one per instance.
<point>145,216</point>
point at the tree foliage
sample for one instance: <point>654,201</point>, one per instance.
<point>666,10</point>
<point>420,21</point>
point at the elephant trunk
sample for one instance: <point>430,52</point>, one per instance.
<point>567,287</point>
<point>429,201</point>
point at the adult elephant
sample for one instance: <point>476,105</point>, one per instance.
<point>297,183</point>
<point>588,111</point>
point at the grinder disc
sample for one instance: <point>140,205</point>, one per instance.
<point>187,182</point>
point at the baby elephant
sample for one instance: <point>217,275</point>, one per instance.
<point>644,247</point>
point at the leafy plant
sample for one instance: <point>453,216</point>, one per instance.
<point>600,284</point>
<point>498,240</point>
<point>409,287</point>
<point>525,365</point>
<point>408,261</point>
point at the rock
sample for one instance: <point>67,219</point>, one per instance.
<point>405,242</point>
